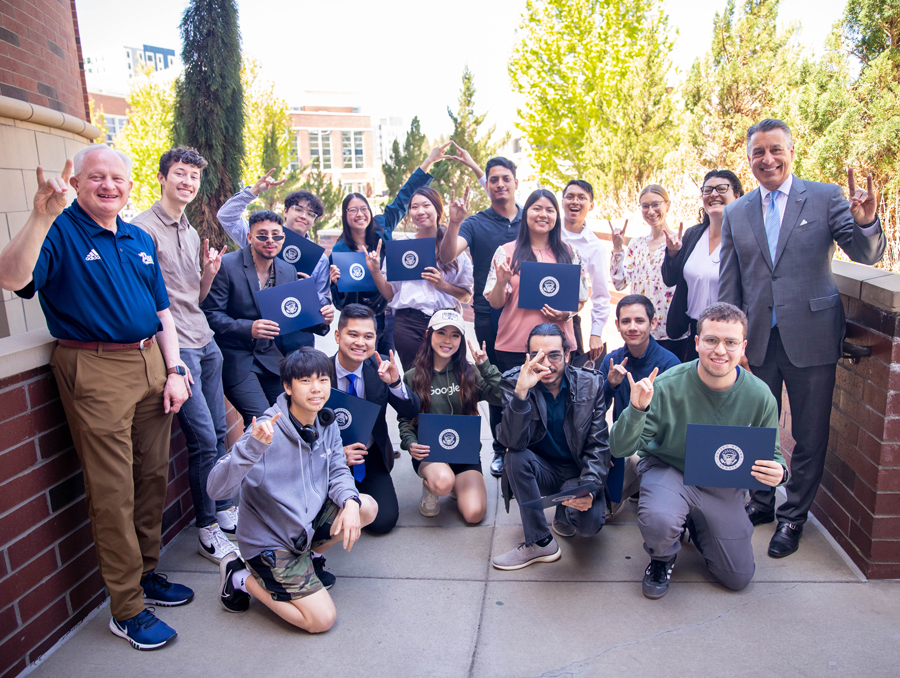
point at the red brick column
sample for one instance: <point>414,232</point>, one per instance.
<point>49,580</point>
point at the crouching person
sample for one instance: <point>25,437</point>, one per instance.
<point>297,495</point>
<point>556,439</point>
<point>711,390</point>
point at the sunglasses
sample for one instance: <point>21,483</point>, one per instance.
<point>264,238</point>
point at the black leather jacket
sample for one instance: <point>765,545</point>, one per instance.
<point>525,423</point>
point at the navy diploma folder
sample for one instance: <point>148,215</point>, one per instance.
<point>294,306</point>
<point>355,276</point>
<point>407,259</point>
<point>553,284</point>
<point>722,456</point>
<point>453,438</point>
<point>301,253</point>
<point>354,416</point>
<point>552,500</point>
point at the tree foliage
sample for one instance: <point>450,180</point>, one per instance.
<point>453,176</point>
<point>209,106</point>
<point>98,120</point>
<point>269,139</point>
<point>579,64</point>
<point>403,163</point>
<point>147,135</point>
<point>750,73</point>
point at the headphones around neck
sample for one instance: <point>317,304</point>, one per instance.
<point>309,434</point>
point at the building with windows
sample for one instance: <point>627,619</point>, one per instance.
<point>109,71</point>
<point>387,132</point>
<point>339,137</point>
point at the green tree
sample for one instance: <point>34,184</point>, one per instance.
<point>750,73</point>
<point>403,163</point>
<point>269,139</point>
<point>450,176</point>
<point>98,120</point>
<point>147,135</point>
<point>209,106</point>
<point>572,64</point>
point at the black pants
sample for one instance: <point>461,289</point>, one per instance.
<point>384,333</point>
<point>255,393</point>
<point>809,391</point>
<point>486,324</point>
<point>676,346</point>
<point>380,487</point>
<point>507,360</point>
<point>579,340</point>
<point>409,334</point>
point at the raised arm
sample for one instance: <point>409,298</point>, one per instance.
<point>453,244</point>
<point>225,477</point>
<point>19,257</point>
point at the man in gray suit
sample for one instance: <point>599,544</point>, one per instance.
<point>777,246</point>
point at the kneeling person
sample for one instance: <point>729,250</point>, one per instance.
<point>711,390</point>
<point>556,439</point>
<point>297,495</point>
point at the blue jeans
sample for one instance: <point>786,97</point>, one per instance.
<point>202,419</point>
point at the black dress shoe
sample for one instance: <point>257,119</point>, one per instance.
<point>758,517</point>
<point>786,540</point>
<point>497,466</point>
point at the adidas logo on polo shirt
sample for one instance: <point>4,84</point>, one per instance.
<point>92,256</point>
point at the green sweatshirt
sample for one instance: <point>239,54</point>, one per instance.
<point>681,398</point>
<point>445,395</point>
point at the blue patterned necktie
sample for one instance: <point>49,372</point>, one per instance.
<point>773,229</point>
<point>359,470</point>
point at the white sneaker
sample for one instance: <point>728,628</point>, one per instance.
<point>228,520</point>
<point>428,506</point>
<point>213,543</point>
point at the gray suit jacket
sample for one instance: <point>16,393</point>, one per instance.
<point>800,285</point>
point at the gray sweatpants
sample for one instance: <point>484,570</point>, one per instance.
<point>722,531</point>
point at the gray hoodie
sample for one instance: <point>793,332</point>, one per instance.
<point>283,485</point>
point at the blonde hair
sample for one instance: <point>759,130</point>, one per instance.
<point>654,188</point>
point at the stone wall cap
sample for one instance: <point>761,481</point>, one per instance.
<point>41,115</point>
<point>875,286</point>
<point>26,351</point>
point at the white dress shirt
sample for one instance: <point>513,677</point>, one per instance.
<point>781,202</point>
<point>343,382</point>
<point>596,263</point>
<point>425,297</point>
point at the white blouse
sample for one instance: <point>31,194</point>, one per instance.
<point>425,297</point>
<point>701,273</point>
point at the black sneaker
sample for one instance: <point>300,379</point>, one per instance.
<point>326,578</point>
<point>232,599</point>
<point>656,579</point>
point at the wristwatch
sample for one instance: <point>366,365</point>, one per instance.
<point>396,384</point>
<point>356,499</point>
<point>178,369</point>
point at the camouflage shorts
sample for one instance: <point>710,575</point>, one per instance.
<point>286,575</point>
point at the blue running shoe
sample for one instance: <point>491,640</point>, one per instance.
<point>158,590</point>
<point>144,631</point>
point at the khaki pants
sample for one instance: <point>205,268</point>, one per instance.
<point>114,406</point>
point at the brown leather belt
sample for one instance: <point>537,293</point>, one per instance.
<point>142,345</point>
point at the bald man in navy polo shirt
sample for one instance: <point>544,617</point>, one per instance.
<point>102,293</point>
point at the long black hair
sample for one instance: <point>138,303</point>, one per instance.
<point>463,370</point>
<point>721,174</point>
<point>347,234</point>
<point>523,251</point>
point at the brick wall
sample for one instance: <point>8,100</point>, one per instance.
<point>39,55</point>
<point>49,580</point>
<point>859,499</point>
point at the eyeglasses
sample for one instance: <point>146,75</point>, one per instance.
<point>264,238</point>
<point>307,213</point>
<point>721,189</point>
<point>712,343</point>
<point>353,211</point>
<point>555,357</point>
<point>651,206</point>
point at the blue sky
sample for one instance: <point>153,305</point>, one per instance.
<point>403,57</point>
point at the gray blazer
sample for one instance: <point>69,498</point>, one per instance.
<point>800,285</point>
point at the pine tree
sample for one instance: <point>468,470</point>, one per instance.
<point>454,176</point>
<point>209,106</point>
<point>403,163</point>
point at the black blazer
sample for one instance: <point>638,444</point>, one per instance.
<point>231,308</point>
<point>378,392</point>
<point>677,320</point>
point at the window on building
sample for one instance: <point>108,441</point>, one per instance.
<point>352,147</point>
<point>320,147</point>
<point>295,154</point>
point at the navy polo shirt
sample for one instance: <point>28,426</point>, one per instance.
<point>554,444</point>
<point>485,232</point>
<point>96,285</point>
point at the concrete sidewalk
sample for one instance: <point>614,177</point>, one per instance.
<point>425,601</point>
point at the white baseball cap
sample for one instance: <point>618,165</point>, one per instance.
<point>446,317</point>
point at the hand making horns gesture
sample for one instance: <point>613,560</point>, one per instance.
<point>50,199</point>
<point>673,242</point>
<point>265,182</point>
<point>618,237</point>
<point>642,391</point>
<point>264,430</point>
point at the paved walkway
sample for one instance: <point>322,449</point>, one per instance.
<point>425,601</point>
